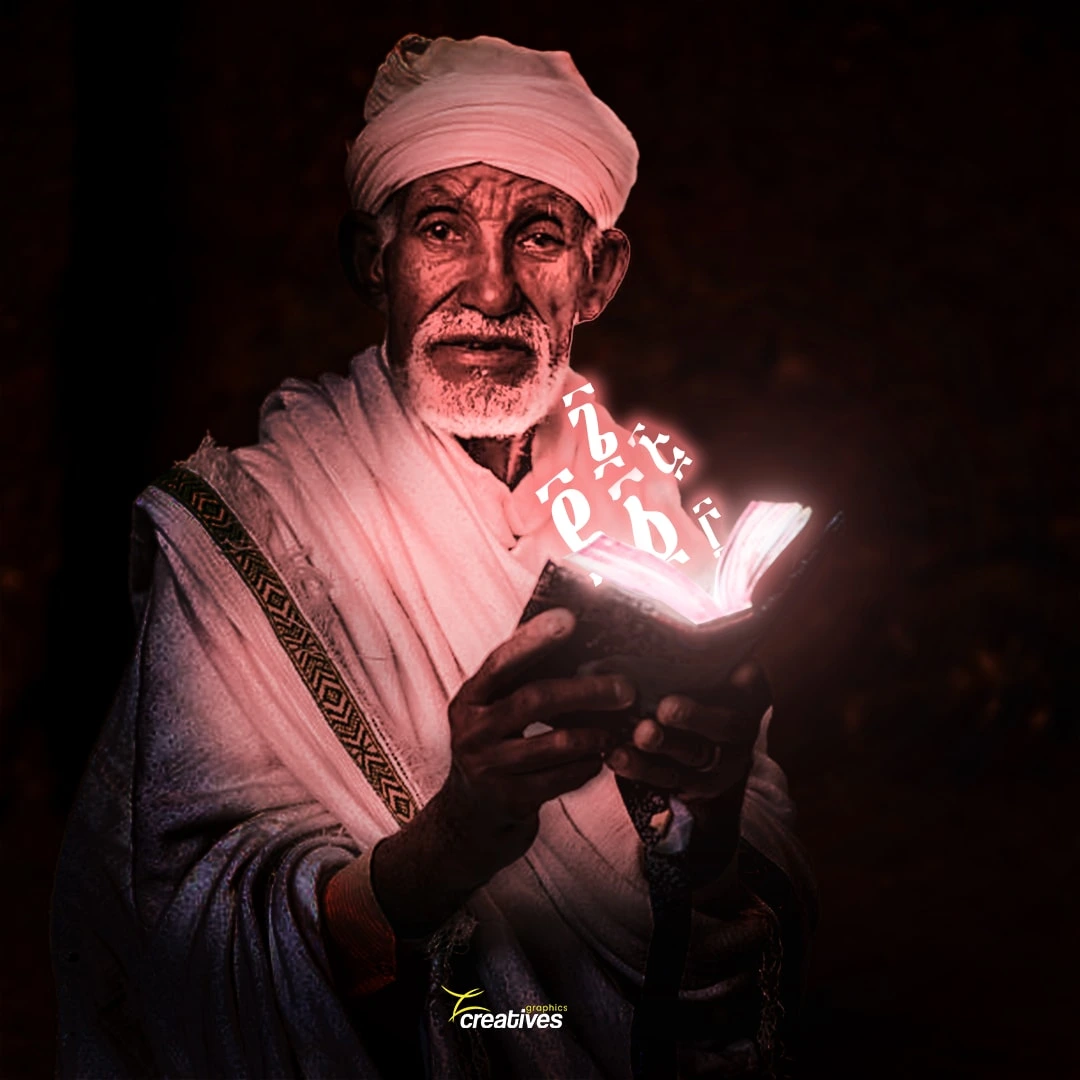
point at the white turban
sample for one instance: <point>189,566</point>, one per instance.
<point>440,104</point>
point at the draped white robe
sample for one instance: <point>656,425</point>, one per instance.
<point>186,923</point>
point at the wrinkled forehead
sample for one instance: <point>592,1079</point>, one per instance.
<point>484,191</point>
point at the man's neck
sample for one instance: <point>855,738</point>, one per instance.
<point>509,459</point>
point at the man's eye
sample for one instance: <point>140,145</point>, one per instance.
<point>541,241</point>
<point>438,230</point>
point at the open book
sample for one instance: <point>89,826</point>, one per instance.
<point>646,618</point>
<point>762,532</point>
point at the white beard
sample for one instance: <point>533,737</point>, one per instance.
<point>479,408</point>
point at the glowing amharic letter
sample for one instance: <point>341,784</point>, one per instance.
<point>570,510</point>
<point>653,447</point>
<point>645,522</point>
<point>602,444</point>
<point>706,525</point>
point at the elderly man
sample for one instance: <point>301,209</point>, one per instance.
<point>334,812</point>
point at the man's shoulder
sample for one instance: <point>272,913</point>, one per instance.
<point>308,428</point>
<point>297,407</point>
<point>324,400</point>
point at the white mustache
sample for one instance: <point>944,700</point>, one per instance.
<point>518,330</point>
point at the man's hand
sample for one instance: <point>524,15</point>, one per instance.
<point>486,813</point>
<point>498,779</point>
<point>703,754</point>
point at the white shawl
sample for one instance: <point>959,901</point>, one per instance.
<point>219,797</point>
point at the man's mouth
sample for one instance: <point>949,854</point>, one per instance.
<point>500,343</point>
<point>502,358</point>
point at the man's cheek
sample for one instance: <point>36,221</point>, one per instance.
<point>560,325</point>
<point>420,272</point>
<point>556,309</point>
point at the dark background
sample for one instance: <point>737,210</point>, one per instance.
<point>854,280</point>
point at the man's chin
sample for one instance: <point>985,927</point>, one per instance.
<point>479,426</point>
<point>483,409</point>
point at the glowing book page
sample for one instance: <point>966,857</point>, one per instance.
<point>644,574</point>
<point>762,532</point>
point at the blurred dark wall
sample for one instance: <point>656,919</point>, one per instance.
<point>854,281</point>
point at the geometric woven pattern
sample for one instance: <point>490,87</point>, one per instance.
<point>318,672</point>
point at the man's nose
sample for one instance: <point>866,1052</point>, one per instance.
<point>490,285</point>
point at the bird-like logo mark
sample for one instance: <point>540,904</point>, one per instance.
<point>460,1006</point>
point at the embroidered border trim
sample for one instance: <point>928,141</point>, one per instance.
<point>307,653</point>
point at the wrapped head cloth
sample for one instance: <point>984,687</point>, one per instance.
<point>441,104</point>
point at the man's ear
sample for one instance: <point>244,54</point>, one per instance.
<point>361,259</point>
<point>611,257</point>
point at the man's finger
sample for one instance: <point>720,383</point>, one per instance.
<point>551,749</point>
<point>746,688</point>
<point>546,699</point>
<point>685,747</point>
<point>634,764</point>
<point>718,723</point>
<point>752,680</point>
<point>528,643</point>
<point>677,711</point>
<point>667,774</point>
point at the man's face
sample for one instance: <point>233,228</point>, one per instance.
<point>483,282</point>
